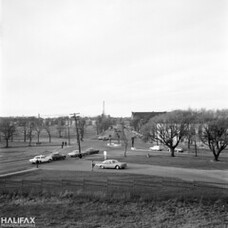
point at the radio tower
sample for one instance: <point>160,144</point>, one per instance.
<point>103,112</point>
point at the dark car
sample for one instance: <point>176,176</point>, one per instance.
<point>58,157</point>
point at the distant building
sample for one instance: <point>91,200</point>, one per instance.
<point>140,118</point>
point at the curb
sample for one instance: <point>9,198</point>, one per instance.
<point>18,172</point>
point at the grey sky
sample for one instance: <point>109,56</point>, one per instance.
<point>64,56</point>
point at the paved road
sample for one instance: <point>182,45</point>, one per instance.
<point>217,176</point>
<point>13,161</point>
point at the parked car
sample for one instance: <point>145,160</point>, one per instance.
<point>91,151</point>
<point>104,138</point>
<point>57,156</point>
<point>111,164</point>
<point>156,148</point>
<point>178,150</point>
<point>40,159</point>
<point>74,153</point>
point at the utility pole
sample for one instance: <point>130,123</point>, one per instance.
<point>68,131</point>
<point>77,133</point>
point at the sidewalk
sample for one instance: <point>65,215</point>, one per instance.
<point>18,172</point>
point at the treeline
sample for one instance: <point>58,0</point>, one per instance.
<point>30,127</point>
<point>210,127</point>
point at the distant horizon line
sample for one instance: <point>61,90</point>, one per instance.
<point>116,116</point>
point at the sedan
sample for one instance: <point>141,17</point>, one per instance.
<point>111,164</point>
<point>179,150</point>
<point>74,153</point>
<point>57,156</point>
<point>156,148</point>
<point>40,159</point>
<point>104,138</point>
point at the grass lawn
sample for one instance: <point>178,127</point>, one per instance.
<point>202,208</point>
<point>86,211</point>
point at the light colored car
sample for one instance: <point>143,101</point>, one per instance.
<point>111,164</point>
<point>74,153</point>
<point>178,150</point>
<point>104,138</point>
<point>156,148</point>
<point>40,159</point>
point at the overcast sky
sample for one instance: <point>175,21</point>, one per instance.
<point>65,56</point>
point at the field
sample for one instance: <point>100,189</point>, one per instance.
<point>165,205</point>
<point>169,206</point>
<point>83,210</point>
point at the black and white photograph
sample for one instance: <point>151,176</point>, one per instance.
<point>114,113</point>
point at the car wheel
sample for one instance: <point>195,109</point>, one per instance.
<point>102,167</point>
<point>117,167</point>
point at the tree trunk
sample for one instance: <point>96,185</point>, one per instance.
<point>189,143</point>
<point>216,156</point>
<point>172,152</point>
<point>25,133</point>
<point>195,149</point>
<point>7,143</point>
<point>30,141</point>
<point>118,138</point>
<point>125,149</point>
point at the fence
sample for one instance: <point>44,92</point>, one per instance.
<point>118,186</point>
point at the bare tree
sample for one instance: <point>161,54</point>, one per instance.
<point>125,139</point>
<point>23,121</point>
<point>192,120</point>
<point>60,127</point>
<point>168,129</point>
<point>47,127</point>
<point>103,123</point>
<point>124,132</point>
<point>30,131</point>
<point>7,128</point>
<point>213,132</point>
<point>38,127</point>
